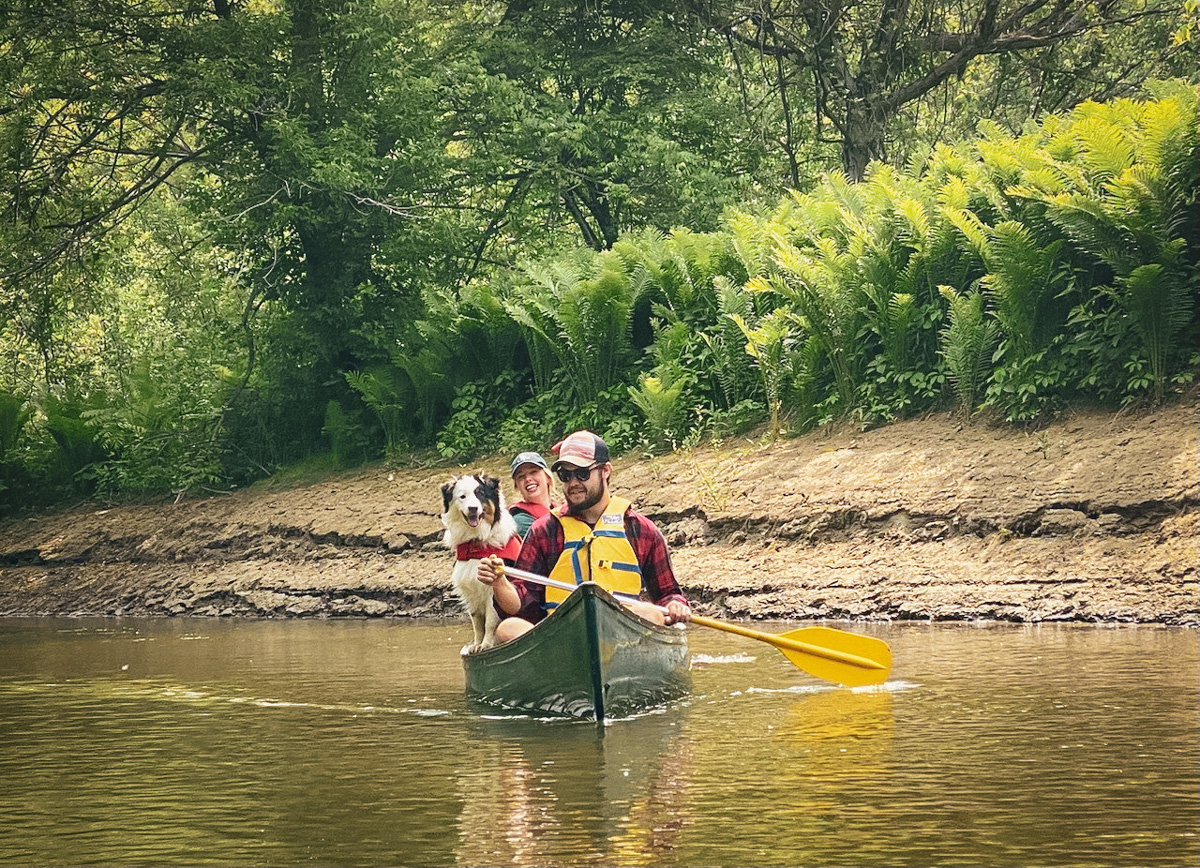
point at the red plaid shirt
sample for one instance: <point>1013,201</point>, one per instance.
<point>545,542</point>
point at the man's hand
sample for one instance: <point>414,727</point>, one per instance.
<point>677,612</point>
<point>489,570</point>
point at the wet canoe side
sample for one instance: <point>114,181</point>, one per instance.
<point>591,659</point>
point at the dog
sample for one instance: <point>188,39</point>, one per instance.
<point>477,524</point>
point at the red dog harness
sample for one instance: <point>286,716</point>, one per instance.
<point>469,551</point>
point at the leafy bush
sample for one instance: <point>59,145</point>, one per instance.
<point>1014,273</point>
<point>478,411</point>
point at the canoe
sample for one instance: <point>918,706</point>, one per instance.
<point>590,659</point>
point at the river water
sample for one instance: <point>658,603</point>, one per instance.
<point>200,741</point>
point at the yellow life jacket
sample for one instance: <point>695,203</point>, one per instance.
<point>602,555</point>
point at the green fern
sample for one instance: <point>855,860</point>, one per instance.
<point>1136,212</point>
<point>825,287</point>
<point>1023,281</point>
<point>765,343</point>
<point>595,318</point>
<point>1106,150</point>
<point>658,399</point>
<point>967,346</point>
<point>578,311</point>
<point>734,369</point>
<point>381,390</point>
<point>1161,308</point>
<point>431,389</point>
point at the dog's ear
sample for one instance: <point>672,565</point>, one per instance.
<point>489,487</point>
<point>488,492</point>
<point>448,492</point>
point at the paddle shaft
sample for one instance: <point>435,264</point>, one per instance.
<point>780,642</point>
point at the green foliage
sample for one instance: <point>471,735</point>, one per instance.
<point>78,446</point>
<point>477,411</point>
<point>541,420</point>
<point>1024,280</point>
<point>1135,210</point>
<point>15,412</point>
<point>599,119</point>
<point>738,419</point>
<point>691,283</point>
<point>381,389</point>
<point>886,81</point>
<point>658,399</point>
<point>578,310</point>
<point>726,343</point>
<point>968,343</point>
<point>765,343</point>
<point>246,233</point>
<point>349,434</point>
<point>154,440</point>
<point>1027,388</point>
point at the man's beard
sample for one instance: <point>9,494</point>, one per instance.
<point>586,504</point>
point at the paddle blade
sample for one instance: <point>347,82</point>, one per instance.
<point>851,645</point>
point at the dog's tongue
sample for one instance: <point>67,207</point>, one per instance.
<point>473,521</point>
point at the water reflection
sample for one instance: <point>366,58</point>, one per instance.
<point>532,789</point>
<point>844,735</point>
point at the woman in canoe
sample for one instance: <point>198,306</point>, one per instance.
<point>533,486</point>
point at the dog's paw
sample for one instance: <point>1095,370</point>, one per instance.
<point>473,648</point>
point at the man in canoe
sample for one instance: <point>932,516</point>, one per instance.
<point>593,536</point>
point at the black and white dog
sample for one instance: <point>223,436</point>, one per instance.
<point>477,524</point>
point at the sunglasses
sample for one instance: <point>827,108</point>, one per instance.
<point>579,474</point>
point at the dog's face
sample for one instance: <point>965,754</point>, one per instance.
<point>474,499</point>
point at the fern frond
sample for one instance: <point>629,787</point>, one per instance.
<point>1022,279</point>
<point>1105,149</point>
<point>1161,308</point>
<point>967,344</point>
<point>971,228</point>
<point>658,399</point>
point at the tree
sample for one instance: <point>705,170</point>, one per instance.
<point>870,59</point>
<point>310,122</point>
<point>598,118</point>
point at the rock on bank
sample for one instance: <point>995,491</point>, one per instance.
<point>1091,519</point>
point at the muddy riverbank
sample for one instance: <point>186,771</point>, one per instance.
<point>1091,519</point>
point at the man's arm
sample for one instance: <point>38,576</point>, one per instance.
<point>539,551</point>
<point>658,576</point>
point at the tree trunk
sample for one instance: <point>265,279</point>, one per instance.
<point>863,136</point>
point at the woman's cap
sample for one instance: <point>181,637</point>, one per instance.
<point>528,458</point>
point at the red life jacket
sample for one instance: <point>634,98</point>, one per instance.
<point>537,510</point>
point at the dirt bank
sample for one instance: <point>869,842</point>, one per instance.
<point>1091,519</point>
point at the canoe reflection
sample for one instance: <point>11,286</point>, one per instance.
<point>531,789</point>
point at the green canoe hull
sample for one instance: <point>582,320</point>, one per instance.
<point>591,659</point>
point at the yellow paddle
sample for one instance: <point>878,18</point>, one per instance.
<point>834,655</point>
